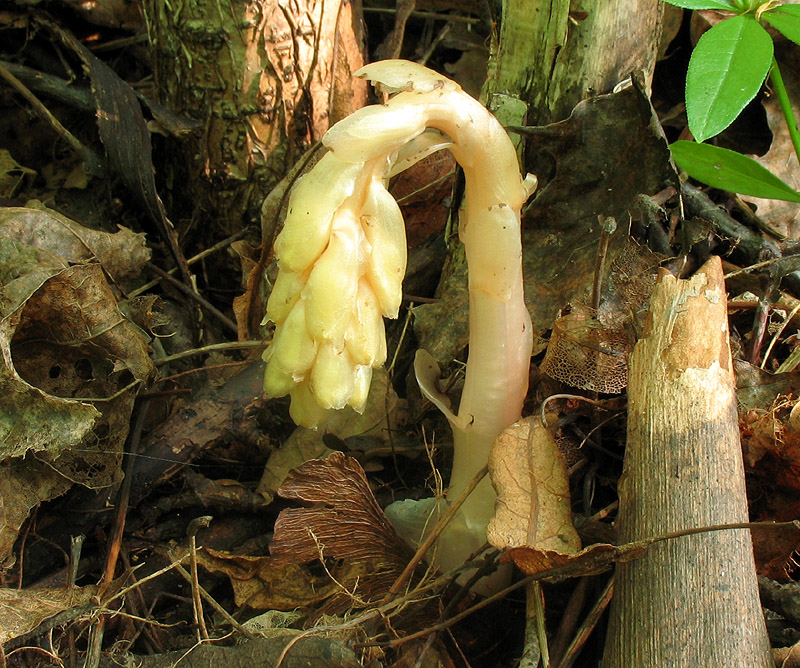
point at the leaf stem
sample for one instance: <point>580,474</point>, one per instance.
<point>786,105</point>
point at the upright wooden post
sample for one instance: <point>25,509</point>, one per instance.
<point>692,601</point>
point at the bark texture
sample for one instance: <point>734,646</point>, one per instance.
<point>586,48</point>
<point>691,601</point>
<point>265,78</point>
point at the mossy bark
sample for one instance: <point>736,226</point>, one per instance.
<point>586,48</point>
<point>265,79</point>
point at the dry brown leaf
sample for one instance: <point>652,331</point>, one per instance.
<point>63,343</point>
<point>771,442</point>
<point>771,449</point>
<point>775,551</point>
<point>287,650</point>
<point>73,342</point>
<point>600,557</point>
<point>589,561</point>
<point>24,484</point>
<point>122,254</point>
<point>533,503</point>
<point>262,584</point>
<point>31,419</point>
<point>23,610</point>
<point>346,523</point>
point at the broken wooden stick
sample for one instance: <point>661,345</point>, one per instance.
<point>691,601</point>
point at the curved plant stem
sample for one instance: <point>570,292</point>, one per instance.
<point>786,106</point>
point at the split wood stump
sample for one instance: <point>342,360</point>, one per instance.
<point>691,601</point>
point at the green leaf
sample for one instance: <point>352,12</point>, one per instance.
<point>726,70</point>
<point>786,20</point>
<point>702,4</point>
<point>729,170</point>
<point>744,6</point>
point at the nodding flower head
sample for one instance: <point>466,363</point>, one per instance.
<point>342,257</point>
<point>342,251</point>
<point>342,254</point>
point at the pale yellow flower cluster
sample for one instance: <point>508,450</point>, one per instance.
<point>342,251</point>
<point>342,258</point>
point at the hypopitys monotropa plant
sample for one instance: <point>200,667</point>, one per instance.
<point>342,257</point>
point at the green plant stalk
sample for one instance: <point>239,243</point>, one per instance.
<point>786,106</point>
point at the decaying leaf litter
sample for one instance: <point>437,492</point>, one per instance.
<point>83,353</point>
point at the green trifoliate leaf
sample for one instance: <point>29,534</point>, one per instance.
<point>786,20</point>
<point>728,170</point>
<point>727,68</point>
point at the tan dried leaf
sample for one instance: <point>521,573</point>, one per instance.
<point>24,484</point>
<point>31,419</point>
<point>782,538</point>
<point>122,254</point>
<point>22,611</point>
<point>72,341</point>
<point>533,503</point>
<point>63,339</point>
<point>261,584</point>
<point>592,560</point>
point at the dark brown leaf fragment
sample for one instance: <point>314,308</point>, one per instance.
<point>349,525</point>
